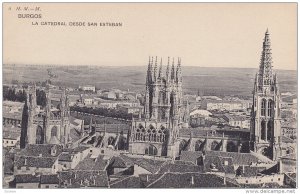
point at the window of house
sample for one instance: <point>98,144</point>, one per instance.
<point>279,179</point>
<point>226,163</point>
<point>102,151</point>
<point>6,141</point>
<point>47,186</point>
<point>19,167</point>
<point>27,168</point>
<point>246,181</point>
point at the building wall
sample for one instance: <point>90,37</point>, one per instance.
<point>48,186</point>
<point>9,142</point>
<point>27,185</point>
<point>276,178</point>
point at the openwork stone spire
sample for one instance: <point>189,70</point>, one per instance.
<point>265,75</point>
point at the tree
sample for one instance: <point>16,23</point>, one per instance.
<point>24,125</point>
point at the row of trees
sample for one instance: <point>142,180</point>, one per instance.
<point>114,113</point>
<point>12,95</point>
<point>20,96</point>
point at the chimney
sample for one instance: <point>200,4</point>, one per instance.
<point>192,180</point>
<point>81,182</point>
<point>70,182</point>
<point>25,162</point>
<point>94,182</point>
<point>224,179</point>
<point>75,175</point>
<point>147,178</point>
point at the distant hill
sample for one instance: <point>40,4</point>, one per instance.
<point>208,80</point>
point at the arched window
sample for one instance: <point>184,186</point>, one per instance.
<point>151,150</point>
<point>39,135</point>
<point>215,146</point>
<point>199,145</point>
<point>270,107</point>
<point>54,131</point>
<point>263,107</point>
<point>263,131</point>
<point>269,130</point>
<point>110,140</point>
<point>182,145</point>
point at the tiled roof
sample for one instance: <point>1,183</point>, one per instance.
<point>149,164</point>
<point>92,163</point>
<point>119,162</point>
<point>9,163</point>
<point>219,163</point>
<point>248,171</point>
<point>44,149</point>
<point>27,178</point>
<point>128,182</point>
<point>49,179</point>
<point>239,158</point>
<point>65,157</point>
<point>190,156</point>
<point>38,162</point>
<point>83,178</point>
<point>190,180</point>
<point>173,167</point>
<point>14,135</point>
<point>113,128</point>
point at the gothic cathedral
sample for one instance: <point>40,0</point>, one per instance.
<point>165,112</point>
<point>265,132</point>
<point>48,125</point>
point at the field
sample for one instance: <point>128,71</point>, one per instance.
<point>209,81</point>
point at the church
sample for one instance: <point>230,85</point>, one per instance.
<point>265,132</point>
<point>165,112</point>
<point>49,124</point>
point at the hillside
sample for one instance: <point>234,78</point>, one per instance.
<point>209,81</point>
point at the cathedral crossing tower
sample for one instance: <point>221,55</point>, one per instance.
<point>265,132</point>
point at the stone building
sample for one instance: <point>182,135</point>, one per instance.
<point>49,124</point>
<point>265,132</point>
<point>165,112</point>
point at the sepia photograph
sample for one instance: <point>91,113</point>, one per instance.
<point>150,96</point>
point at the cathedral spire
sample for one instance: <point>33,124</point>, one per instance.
<point>168,70</point>
<point>155,70</point>
<point>173,70</point>
<point>160,68</point>
<point>265,68</point>
<point>178,71</point>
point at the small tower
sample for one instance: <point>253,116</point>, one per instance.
<point>265,130</point>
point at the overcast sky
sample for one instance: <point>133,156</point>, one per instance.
<point>206,35</point>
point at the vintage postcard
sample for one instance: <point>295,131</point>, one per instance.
<point>150,95</point>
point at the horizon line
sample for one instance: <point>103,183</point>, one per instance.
<point>113,66</point>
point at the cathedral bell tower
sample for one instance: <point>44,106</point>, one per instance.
<point>265,130</point>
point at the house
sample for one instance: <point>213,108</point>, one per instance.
<point>30,165</point>
<point>83,179</point>
<point>11,138</point>
<point>27,181</point>
<point>70,157</point>
<point>192,180</point>
<point>49,181</point>
<point>87,88</point>
<point>237,121</point>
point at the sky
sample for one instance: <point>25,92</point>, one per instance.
<point>202,34</point>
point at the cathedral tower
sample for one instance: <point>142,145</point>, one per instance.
<point>164,111</point>
<point>265,132</point>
